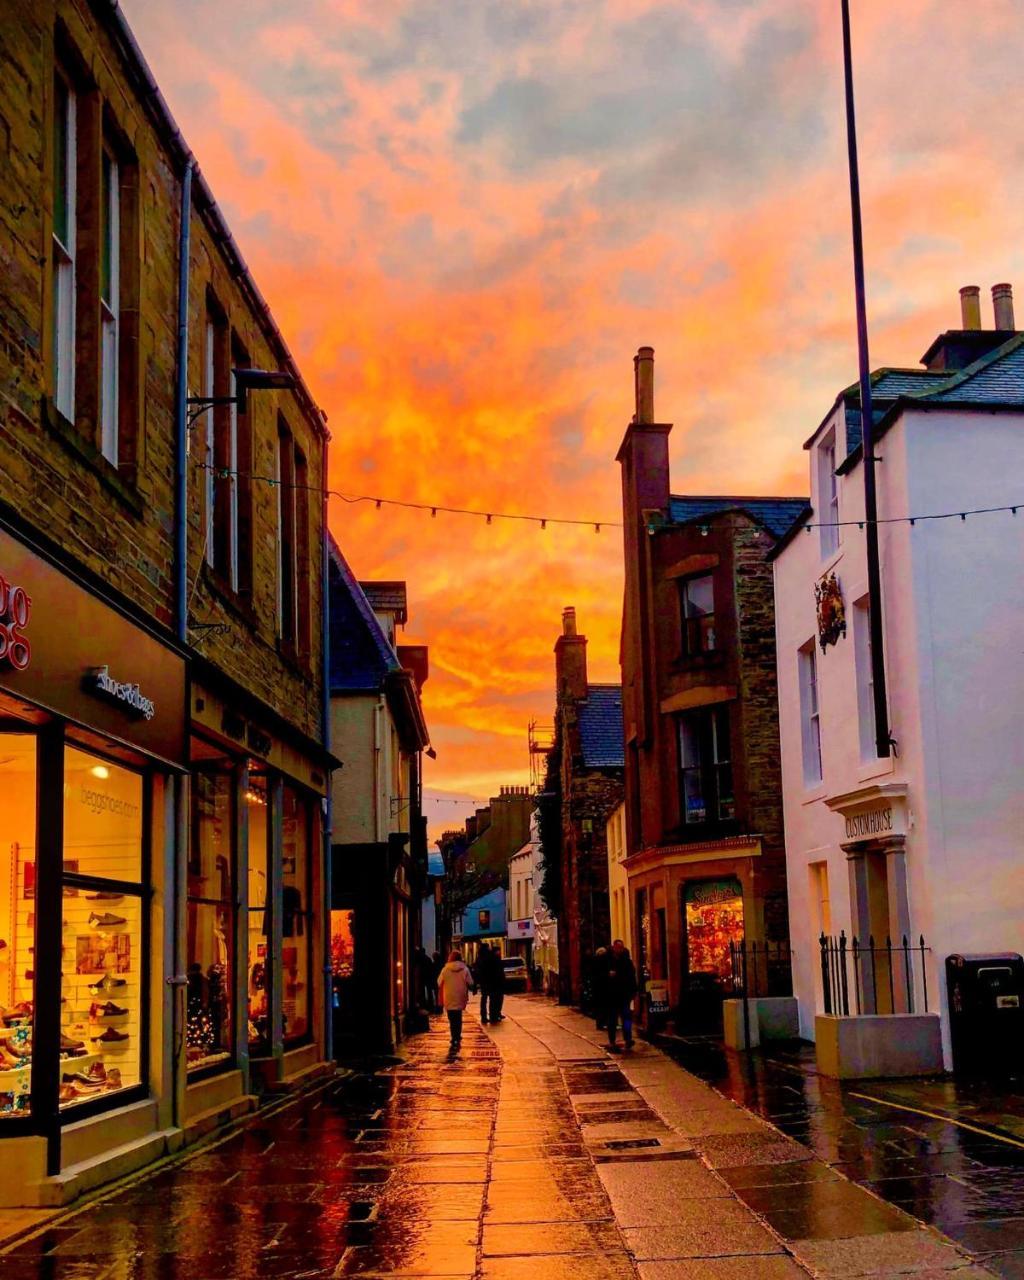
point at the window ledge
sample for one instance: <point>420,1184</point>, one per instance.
<point>232,600</point>
<point>291,657</point>
<point>877,768</point>
<point>698,661</point>
<point>813,794</point>
<point>830,562</point>
<point>111,477</point>
<point>700,832</point>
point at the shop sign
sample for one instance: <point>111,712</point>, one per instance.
<point>713,893</point>
<point>129,695</point>
<point>520,929</point>
<point>873,822</point>
<point>73,665</point>
<point>657,997</point>
<point>15,607</point>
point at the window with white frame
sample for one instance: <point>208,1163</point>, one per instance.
<point>865,678</point>
<point>209,423</point>
<point>697,606</point>
<point>63,248</point>
<point>705,767</point>
<point>110,266</point>
<point>810,722</point>
<point>828,495</point>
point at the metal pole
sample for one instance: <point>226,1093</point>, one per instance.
<point>882,737</point>
<point>181,415</point>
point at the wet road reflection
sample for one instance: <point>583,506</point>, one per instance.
<point>968,1185</point>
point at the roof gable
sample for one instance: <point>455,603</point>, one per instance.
<point>777,515</point>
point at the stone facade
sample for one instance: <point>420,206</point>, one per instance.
<point>711,685</point>
<point>116,522</point>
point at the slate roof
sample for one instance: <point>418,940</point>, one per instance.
<point>387,597</point>
<point>360,656</point>
<point>600,725</point>
<point>997,378</point>
<point>777,515</point>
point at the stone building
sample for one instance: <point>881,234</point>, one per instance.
<point>705,861</point>
<point>583,787</point>
<point>163,765</point>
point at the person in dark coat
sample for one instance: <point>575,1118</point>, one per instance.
<point>621,992</point>
<point>496,977</point>
<point>482,977</point>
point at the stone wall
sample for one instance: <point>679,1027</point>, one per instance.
<point>117,522</point>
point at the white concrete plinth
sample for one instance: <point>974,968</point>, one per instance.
<point>873,1046</point>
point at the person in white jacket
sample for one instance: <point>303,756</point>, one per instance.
<point>454,984</point>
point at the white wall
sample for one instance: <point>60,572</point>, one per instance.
<point>953,617</point>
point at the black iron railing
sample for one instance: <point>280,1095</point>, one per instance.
<point>761,968</point>
<point>888,978</point>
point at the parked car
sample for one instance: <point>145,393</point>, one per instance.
<point>516,976</point>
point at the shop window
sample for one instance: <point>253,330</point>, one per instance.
<point>697,606</point>
<point>102,992</point>
<point>296,915</point>
<point>714,920</point>
<point>210,924</point>
<point>260,964</point>
<point>17,920</point>
<point>705,766</point>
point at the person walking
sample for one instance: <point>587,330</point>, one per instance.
<point>483,972</point>
<point>454,984</point>
<point>496,980</point>
<point>621,989</point>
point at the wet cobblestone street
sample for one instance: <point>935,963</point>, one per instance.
<point>533,1154</point>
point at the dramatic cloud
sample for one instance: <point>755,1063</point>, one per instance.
<point>467,215</point>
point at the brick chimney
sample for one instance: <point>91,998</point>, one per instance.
<point>570,661</point>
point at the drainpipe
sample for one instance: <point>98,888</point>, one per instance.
<point>173,874</point>
<point>882,736</point>
<point>325,624</point>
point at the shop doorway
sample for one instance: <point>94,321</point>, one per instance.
<point>712,912</point>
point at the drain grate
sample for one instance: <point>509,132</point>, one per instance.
<point>628,1144</point>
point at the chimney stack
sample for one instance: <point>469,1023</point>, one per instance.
<point>1002,304</point>
<point>970,307</point>
<point>570,661</point>
<point>643,365</point>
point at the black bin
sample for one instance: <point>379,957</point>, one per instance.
<point>986,1013</point>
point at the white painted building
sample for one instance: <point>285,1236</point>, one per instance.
<point>529,922</point>
<point>618,880</point>
<point>927,841</point>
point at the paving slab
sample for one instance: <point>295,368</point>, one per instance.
<point>887,1254</point>
<point>744,1267</point>
<point>699,1233</point>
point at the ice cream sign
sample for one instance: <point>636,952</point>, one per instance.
<point>15,608</point>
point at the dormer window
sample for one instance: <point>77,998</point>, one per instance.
<point>828,496</point>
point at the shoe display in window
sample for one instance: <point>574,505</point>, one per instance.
<point>106,921</point>
<point>108,1010</point>
<point>66,1043</point>
<point>104,897</point>
<point>110,1036</point>
<point>107,983</point>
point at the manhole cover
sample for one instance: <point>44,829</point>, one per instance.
<point>627,1144</point>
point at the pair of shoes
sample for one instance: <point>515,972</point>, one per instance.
<point>483,1022</point>
<point>629,1044</point>
<point>613,1048</point>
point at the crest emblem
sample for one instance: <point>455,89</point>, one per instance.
<point>828,597</point>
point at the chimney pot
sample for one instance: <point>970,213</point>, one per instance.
<point>569,621</point>
<point>1002,305</point>
<point>643,365</point>
<point>970,307</point>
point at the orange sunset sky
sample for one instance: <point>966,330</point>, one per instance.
<point>467,215</point>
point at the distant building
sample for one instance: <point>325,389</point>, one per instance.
<point>378,844</point>
<point>477,860</point>
<point>923,841</point>
<point>584,785</point>
<point>704,833</point>
<point>532,929</point>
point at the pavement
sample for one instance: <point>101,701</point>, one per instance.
<point>532,1155</point>
<point>951,1153</point>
